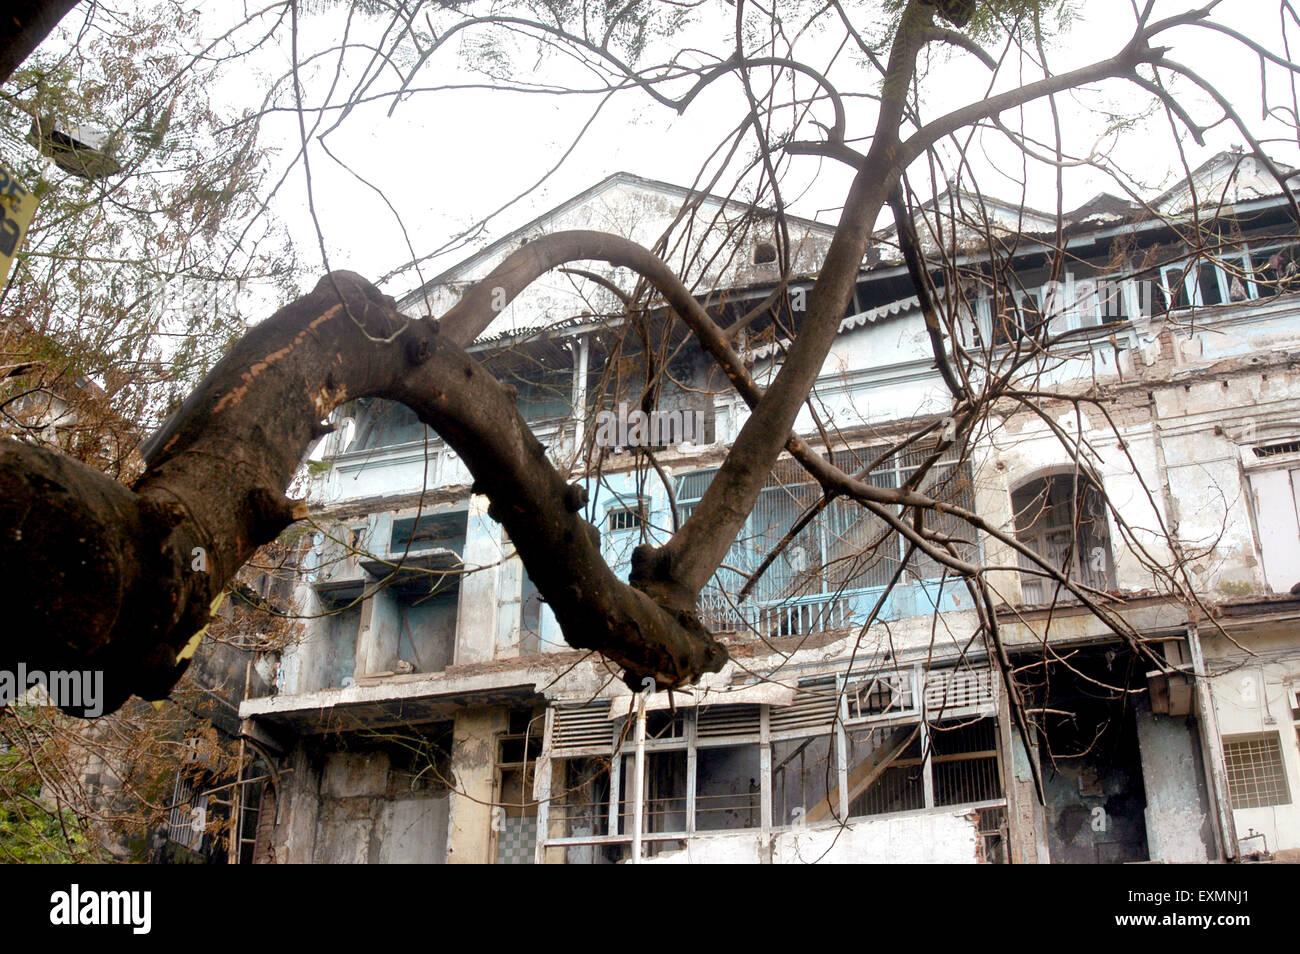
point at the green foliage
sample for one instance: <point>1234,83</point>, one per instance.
<point>986,20</point>
<point>33,831</point>
<point>138,275</point>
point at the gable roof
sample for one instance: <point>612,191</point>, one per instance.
<point>610,182</point>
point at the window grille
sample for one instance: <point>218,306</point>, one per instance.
<point>626,518</point>
<point>1256,774</point>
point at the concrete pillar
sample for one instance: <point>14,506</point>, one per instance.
<point>1180,826</point>
<point>295,836</point>
<point>580,349</point>
<point>510,584</point>
<point>993,503</point>
<point>381,631</point>
<point>477,619</point>
<point>473,766</point>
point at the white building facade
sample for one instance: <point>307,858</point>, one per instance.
<point>433,711</point>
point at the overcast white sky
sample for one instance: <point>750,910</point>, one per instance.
<point>446,159</point>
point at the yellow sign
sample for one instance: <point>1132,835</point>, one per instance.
<point>16,209</point>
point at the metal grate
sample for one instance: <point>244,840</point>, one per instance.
<point>813,709</point>
<point>1256,775</point>
<point>1272,450</point>
<point>582,729</point>
<point>716,722</point>
<point>992,827</point>
<point>187,821</point>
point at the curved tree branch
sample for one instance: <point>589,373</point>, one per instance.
<point>126,578</point>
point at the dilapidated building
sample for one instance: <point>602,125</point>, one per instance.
<point>433,711</point>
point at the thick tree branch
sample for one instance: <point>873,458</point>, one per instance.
<point>125,578</point>
<point>23,25</point>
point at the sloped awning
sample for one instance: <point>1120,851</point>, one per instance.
<point>762,693</point>
<point>869,317</point>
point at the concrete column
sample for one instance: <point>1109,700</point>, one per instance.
<point>477,618</point>
<point>1180,826</point>
<point>294,842</point>
<point>510,584</point>
<point>993,503</point>
<point>473,765</point>
<point>580,350</point>
<point>381,631</point>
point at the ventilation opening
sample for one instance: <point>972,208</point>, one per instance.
<point>1272,450</point>
<point>764,253</point>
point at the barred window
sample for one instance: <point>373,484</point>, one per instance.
<point>627,518</point>
<point>1256,775</point>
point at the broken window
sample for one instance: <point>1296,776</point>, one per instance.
<point>663,793</point>
<point>1234,277</point>
<point>727,790</point>
<point>804,780</point>
<point>514,810</point>
<point>1062,518</point>
<point>327,656</point>
<point>382,423</point>
<point>1256,772</point>
<point>1274,270</point>
<point>432,531</point>
<point>542,375</point>
<point>426,638</point>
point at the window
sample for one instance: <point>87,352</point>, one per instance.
<point>445,531</point>
<point>846,549</point>
<point>1062,518</point>
<point>387,424</point>
<point>883,694</point>
<point>514,813</point>
<point>663,793</point>
<point>891,768</point>
<point>1274,270</point>
<point>626,518</point>
<point>1199,283</point>
<point>542,377</point>
<point>804,780</point>
<point>727,788</point>
<point>1274,475</point>
<point>1256,774</point>
<point>764,253</point>
<point>1006,315</point>
<point>530,616</point>
<point>1238,276</point>
<point>709,769</point>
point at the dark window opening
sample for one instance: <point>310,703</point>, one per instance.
<point>445,531</point>
<point>1062,518</point>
